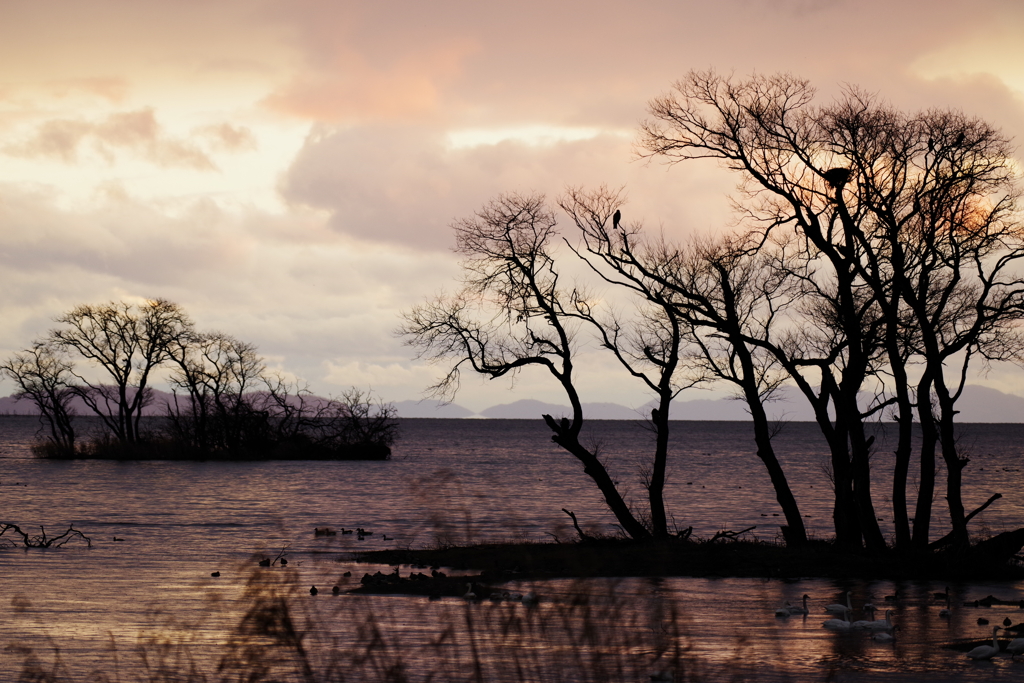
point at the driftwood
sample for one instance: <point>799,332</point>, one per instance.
<point>730,535</point>
<point>42,541</point>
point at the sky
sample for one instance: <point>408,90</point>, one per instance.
<point>288,170</point>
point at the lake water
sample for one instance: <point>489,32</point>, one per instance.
<point>458,481</point>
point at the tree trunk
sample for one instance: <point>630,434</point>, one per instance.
<point>954,467</point>
<point>656,486</point>
<point>564,437</point>
<point>860,447</point>
<point>796,534</point>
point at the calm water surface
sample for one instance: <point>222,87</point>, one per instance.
<point>464,481</point>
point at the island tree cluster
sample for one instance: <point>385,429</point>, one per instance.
<point>224,401</point>
<point>876,260</point>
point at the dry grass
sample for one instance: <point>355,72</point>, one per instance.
<point>586,634</point>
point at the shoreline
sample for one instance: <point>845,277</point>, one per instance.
<point>501,562</point>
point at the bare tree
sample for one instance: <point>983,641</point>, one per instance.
<point>216,372</point>
<point>127,342</point>
<point>908,230</point>
<point>651,343</point>
<point>45,375</point>
<point>232,406</point>
<point>733,299</point>
<point>512,313</point>
<point>699,304</point>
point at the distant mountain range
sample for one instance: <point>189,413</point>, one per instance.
<point>978,404</point>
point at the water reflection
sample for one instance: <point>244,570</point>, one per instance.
<point>182,521</point>
<point>593,630</point>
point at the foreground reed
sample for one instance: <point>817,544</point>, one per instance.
<point>281,633</point>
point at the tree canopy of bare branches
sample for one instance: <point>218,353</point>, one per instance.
<point>907,238</point>
<point>127,342</point>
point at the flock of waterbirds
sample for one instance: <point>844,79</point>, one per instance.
<point>884,630</point>
<point>881,630</point>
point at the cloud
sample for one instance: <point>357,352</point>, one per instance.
<point>354,90</point>
<point>406,184</point>
<point>155,126</point>
<point>300,291</point>
<point>229,138</point>
<point>136,132</point>
<point>109,88</point>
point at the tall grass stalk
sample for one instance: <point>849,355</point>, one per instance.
<point>585,633</point>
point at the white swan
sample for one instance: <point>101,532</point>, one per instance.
<point>944,612</point>
<point>885,636</point>
<point>836,608</point>
<point>863,624</point>
<point>838,624</point>
<point>799,610</point>
<point>1015,647</point>
<point>881,624</point>
<point>784,610</point>
<point>986,651</point>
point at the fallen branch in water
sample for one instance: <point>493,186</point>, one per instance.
<point>41,541</point>
<point>731,535</point>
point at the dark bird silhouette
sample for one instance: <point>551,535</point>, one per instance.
<point>313,591</point>
<point>215,574</point>
<point>616,217</point>
<point>837,177</point>
<point>336,590</point>
<point>283,562</point>
<point>959,139</point>
<point>265,562</point>
<point>1007,622</point>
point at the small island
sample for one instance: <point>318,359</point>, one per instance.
<point>224,404</point>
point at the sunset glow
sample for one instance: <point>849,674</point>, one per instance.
<point>288,171</point>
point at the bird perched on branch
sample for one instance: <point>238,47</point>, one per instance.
<point>616,218</point>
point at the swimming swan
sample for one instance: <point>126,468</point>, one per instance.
<point>881,624</point>
<point>799,610</point>
<point>1015,647</point>
<point>986,651</point>
<point>836,608</point>
<point>885,636</point>
<point>864,624</point>
<point>839,624</point>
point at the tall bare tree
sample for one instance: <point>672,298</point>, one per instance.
<point>127,342</point>
<point>216,372</point>
<point>909,231</point>
<point>700,303</point>
<point>649,344</point>
<point>45,375</point>
<point>512,313</point>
